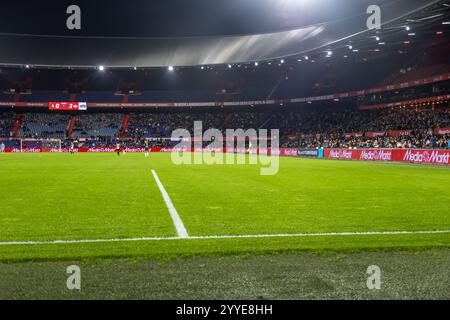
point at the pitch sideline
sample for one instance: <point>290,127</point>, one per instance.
<point>178,223</point>
<point>287,235</point>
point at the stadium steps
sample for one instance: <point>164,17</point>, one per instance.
<point>229,117</point>
<point>72,123</point>
<point>17,124</point>
<point>266,122</point>
<point>124,125</point>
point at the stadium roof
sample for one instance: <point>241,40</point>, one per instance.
<point>85,51</point>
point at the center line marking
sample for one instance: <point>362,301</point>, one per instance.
<point>181,229</point>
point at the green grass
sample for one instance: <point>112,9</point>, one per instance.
<point>100,196</point>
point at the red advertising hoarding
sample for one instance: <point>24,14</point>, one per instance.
<point>281,151</point>
<point>439,157</point>
<point>442,131</point>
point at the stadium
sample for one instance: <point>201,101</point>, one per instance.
<point>256,150</point>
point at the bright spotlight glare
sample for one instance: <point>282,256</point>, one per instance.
<point>170,68</point>
<point>101,68</point>
<point>256,63</point>
<point>281,61</point>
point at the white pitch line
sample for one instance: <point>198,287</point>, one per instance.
<point>179,225</point>
<point>249,236</point>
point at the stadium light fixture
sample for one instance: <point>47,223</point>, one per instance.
<point>350,47</point>
<point>329,53</point>
<point>306,57</point>
<point>170,68</point>
<point>202,67</point>
<point>101,68</point>
<point>27,66</point>
<point>229,66</point>
<point>377,38</point>
<point>408,28</point>
<point>282,61</point>
<point>256,63</point>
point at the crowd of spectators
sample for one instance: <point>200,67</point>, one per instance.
<point>414,140</point>
<point>305,127</point>
<point>151,125</point>
<point>6,122</point>
<point>349,128</point>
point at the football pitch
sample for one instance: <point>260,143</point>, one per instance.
<point>61,206</point>
<point>145,228</point>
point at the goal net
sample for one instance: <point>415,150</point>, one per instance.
<point>47,145</point>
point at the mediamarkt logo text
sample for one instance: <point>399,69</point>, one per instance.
<point>425,156</point>
<point>376,155</point>
<point>341,154</point>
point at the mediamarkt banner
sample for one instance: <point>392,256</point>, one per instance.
<point>440,157</point>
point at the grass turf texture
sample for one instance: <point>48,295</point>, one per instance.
<point>92,196</point>
<point>404,275</point>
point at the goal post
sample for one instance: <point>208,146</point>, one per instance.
<point>49,145</point>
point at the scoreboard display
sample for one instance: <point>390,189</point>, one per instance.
<point>67,106</point>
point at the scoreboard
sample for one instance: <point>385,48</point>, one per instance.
<point>67,106</point>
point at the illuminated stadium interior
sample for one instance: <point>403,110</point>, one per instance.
<point>120,144</point>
